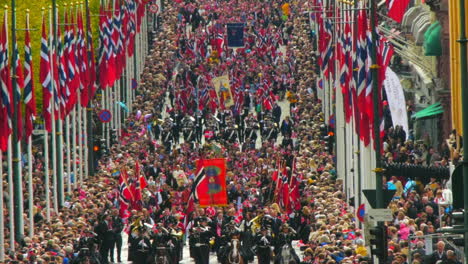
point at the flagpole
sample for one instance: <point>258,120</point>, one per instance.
<point>91,94</point>
<point>108,125</point>
<point>85,139</point>
<point>10,191</point>
<point>10,171</point>
<point>17,177</point>
<point>30,189</point>
<point>2,225</point>
<point>67,143</point>
<point>46,161</point>
<point>80,140</point>
<point>74,148</point>
<point>46,174</point>
<point>28,67</point>
<point>59,139</point>
<point>54,129</point>
<point>376,97</point>
<point>117,110</point>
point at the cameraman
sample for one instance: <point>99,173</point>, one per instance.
<point>86,255</point>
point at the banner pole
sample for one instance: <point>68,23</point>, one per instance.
<point>83,143</point>
<point>54,123</point>
<point>30,189</point>
<point>80,141</point>
<point>2,225</point>
<point>67,143</point>
<point>73,134</point>
<point>11,211</point>
<point>46,174</point>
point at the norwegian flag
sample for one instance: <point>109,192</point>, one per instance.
<point>396,9</point>
<point>384,55</point>
<point>140,12</point>
<point>364,125</point>
<point>62,74</point>
<point>369,99</point>
<point>125,195</point>
<point>131,27</point>
<point>72,83</point>
<point>57,97</point>
<point>120,49</point>
<point>91,65</point>
<point>111,49</point>
<point>29,97</point>
<point>344,70</point>
<point>294,195</point>
<point>103,49</point>
<point>327,55</point>
<point>284,192</point>
<point>46,79</point>
<point>19,80</point>
<point>82,58</point>
<point>6,110</point>
<point>219,42</point>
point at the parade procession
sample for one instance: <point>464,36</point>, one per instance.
<point>233,131</point>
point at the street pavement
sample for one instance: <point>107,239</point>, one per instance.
<point>284,104</point>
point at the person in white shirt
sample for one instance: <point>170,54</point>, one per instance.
<point>179,176</point>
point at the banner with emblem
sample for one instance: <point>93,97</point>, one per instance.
<point>211,189</point>
<point>223,91</point>
<point>235,35</point>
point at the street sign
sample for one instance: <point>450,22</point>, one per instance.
<point>154,8</point>
<point>380,215</point>
<point>387,196</point>
<point>360,212</point>
<point>105,116</point>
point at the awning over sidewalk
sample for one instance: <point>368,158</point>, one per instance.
<point>429,111</point>
<point>432,43</point>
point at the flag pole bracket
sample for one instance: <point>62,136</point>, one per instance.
<point>378,170</point>
<point>375,66</point>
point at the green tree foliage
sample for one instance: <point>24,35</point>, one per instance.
<point>36,9</point>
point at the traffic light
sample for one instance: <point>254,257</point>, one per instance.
<point>114,137</point>
<point>458,219</point>
<point>103,147</point>
<point>379,242</point>
<point>97,148</point>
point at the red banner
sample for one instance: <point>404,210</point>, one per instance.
<point>211,190</point>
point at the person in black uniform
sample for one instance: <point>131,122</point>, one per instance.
<point>199,126</point>
<point>276,114</point>
<point>176,127</point>
<point>188,129</point>
<point>240,122</point>
<point>251,129</point>
<point>143,247</point>
<point>200,239</point>
<point>161,244</point>
<point>264,243</point>
<point>283,242</point>
<point>167,137</point>
<point>105,236</point>
<point>117,225</point>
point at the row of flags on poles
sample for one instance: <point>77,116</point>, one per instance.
<point>351,47</point>
<point>68,70</point>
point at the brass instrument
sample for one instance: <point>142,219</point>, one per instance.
<point>256,223</point>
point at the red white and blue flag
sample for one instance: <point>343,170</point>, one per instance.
<point>46,79</point>
<point>29,97</point>
<point>6,107</point>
